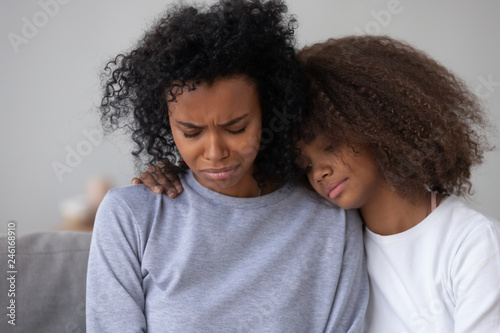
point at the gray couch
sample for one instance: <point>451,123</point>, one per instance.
<point>49,283</point>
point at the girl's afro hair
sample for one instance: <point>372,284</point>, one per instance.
<point>418,120</point>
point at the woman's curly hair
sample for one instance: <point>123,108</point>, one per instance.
<point>195,44</point>
<point>417,120</point>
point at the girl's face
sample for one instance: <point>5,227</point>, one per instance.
<point>339,174</point>
<point>217,131</point>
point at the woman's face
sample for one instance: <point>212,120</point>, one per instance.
<point>217,131</point>
<point>342,176</point>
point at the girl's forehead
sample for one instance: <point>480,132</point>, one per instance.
<point>313,141</point>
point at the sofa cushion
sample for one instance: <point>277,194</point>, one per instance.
<point>49,284</point>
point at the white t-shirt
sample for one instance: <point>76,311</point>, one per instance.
<point>443,275</point>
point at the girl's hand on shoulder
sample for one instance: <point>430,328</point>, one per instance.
<point>161,178</point>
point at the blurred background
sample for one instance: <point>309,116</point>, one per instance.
<point>55,162</point>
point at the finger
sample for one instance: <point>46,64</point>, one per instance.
<point>159,189</point>
<point>150,182</point>
<point>178,186</point>
<point>167,180</point>
<point>172,179</point>
<point>168,186</point>
<point>136,181</point>
<point>164,182</point>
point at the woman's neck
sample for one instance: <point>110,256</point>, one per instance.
<point>388,213</point>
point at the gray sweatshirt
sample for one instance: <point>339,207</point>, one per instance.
<point>204,262</point>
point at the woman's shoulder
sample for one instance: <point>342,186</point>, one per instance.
<point>312,198</point>
<point>312,201</point>
<point>135,202</point>
<point>130,194</point>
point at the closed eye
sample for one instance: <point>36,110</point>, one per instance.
<point>189,136</point>
<point>238,131</point>
<point>306,168</point>
<point>329,148</point>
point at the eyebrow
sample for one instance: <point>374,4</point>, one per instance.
<point>229,123</point>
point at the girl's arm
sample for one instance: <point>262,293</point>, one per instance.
<point>115,299</point>
<point>161,178</point>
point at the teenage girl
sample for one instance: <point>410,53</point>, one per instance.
<point>394,134</point>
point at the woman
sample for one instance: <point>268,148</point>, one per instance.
<point>243,249</point>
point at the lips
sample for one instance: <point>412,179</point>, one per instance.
<point>219,173</point>
<point>334,189</point>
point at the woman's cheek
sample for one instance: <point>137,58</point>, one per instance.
<point>249,149</point>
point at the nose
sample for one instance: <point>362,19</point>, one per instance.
<point>321,172</point>
<point>215,148</point>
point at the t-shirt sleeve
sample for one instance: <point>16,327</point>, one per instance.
<point>115,298</point>
<point>475,280</point>
<point>351,299</point>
